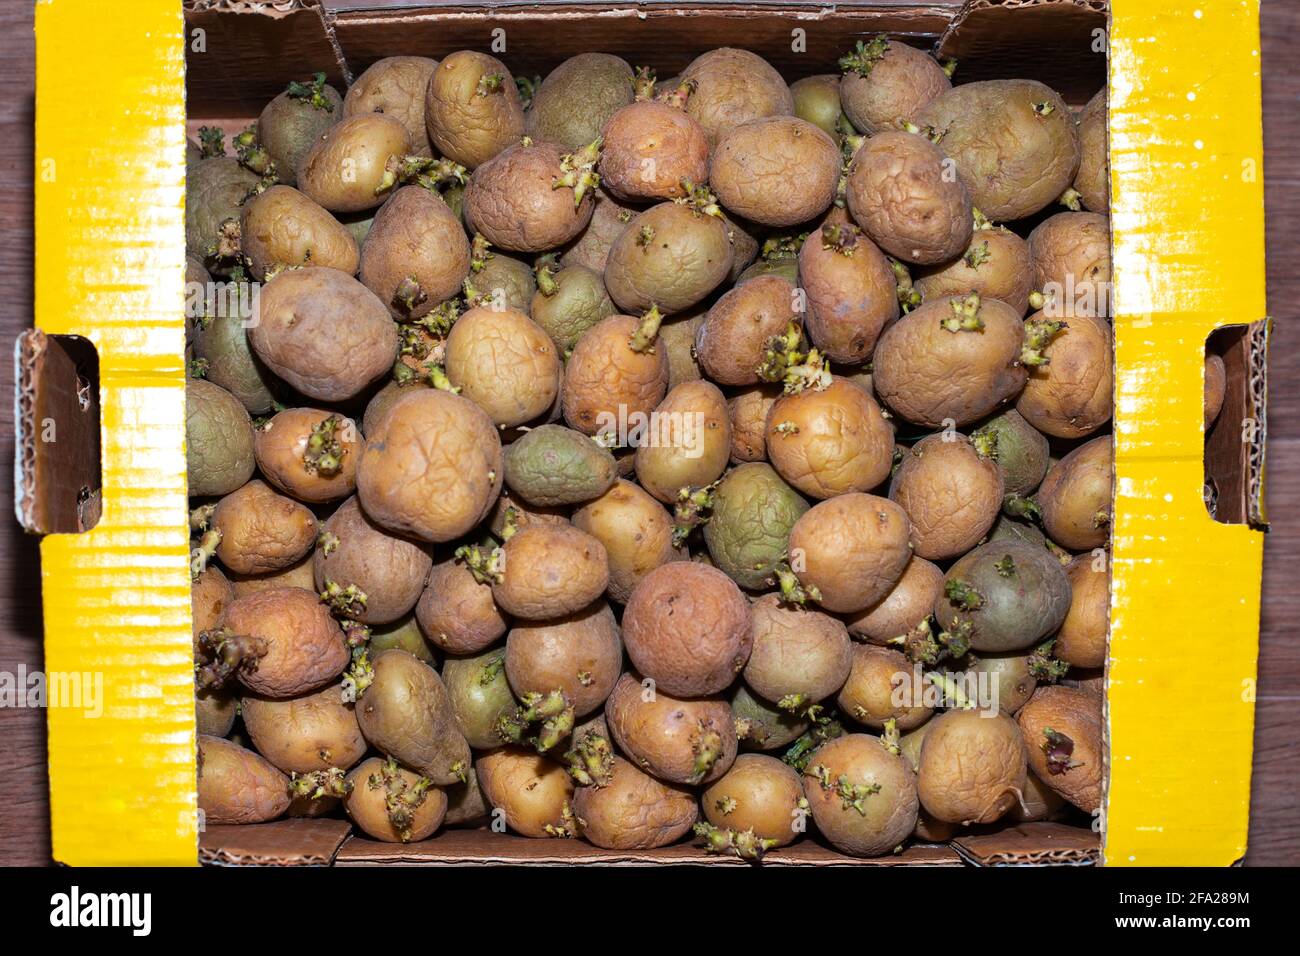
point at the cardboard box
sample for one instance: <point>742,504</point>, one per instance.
<point>1187,192</point>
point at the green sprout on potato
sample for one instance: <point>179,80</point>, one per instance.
<point>311,92</point>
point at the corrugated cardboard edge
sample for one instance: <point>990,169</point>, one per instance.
<point>1260,334</point>
<point>1030,844</point>
<point>27,349</point>
<point>301,842</point>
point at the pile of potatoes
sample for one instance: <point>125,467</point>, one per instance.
<point>643,461</point>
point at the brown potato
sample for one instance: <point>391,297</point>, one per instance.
<point>670,256</point>
<point>238,786</point>
<point>416,254</point>
<point>217,187</point>
<point>852,549</point>
<point>996,264</point>
<point>951,492</point>
<point>282,227</point>
<point>350,168</point>
<point>882,686</point>
<point>691,444</point>
<point>392,804</point>
<point>550,571</point>
<point>886,82</point>
<point>531,791</point>
<point>472,108</point>
<point>972,767</point>
<point>851,290</point>
<point>395,86</point>
<point>304,645</point>
<point>830,441</point>
<point>606,381</point>
<point>210,593</point>
<point>749,408</point>
<point>776,171</point>
<point>677,339</point>
<point>732,87</point>
<point>1216,388</point>
<point>1071,394</point>
<point>686,627</point>
<point>432,467</point>
<point>407,714</point>
<point>1038,802</point>
<point>733,340</point>
<point>680,741</point>
<point>1006,679</point>
<point>513,507</point>
<point>1092,182</point>
<point>762,725</point>
<point>1075,497</point>
<point>608,220</point>
<point>356,553</point>
<point>466,805</point>
<point>296,575</point>
<point>317,731</point>
<point>456,612</point>
<point>760,799</point>
<point>579,655</point>
<point>1081,641</point>
<point>503,282</point>
<point>634,811</point>
<point>513,198</point>
<point>214,712</point>
<point>309,454</point>
<point>503,362</point>
<point>862,797</point>
<point>799,656</point>
<point>294,121</point>
<point>261,530</point>
<point>636,530</point>
<point>649,148</point>
<point>1071,254</point>
<point>1062,728</point>
<point>324,333</point>
<point>908,603</point>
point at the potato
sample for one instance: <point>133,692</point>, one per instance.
<point>670,256</point>
<point>466,805</point>
<point>733,341</point>
<point>1070,395</point>
<point>403,634</point>
<point>218,440</point>
<point>502,282</point>
<point>552,465</point>
<point>215,192</point>
<point>456,612</point>
<point>1020,451</point>
<point>691,444</point>
<point>294,121</point>
<point>851,291</point>
<point>472,108</point>
<point>577,98</point>
<point>907,604</point>
<point>395,86</point>
<point>882,686</point>
<point>432,467</point>
<point>356,553</point>
<point>634,811</point>
<point>608,220</point>
<point>996,264</point>
<point>1081,641</point>
<point>851,549</point>
<point>749,528</point>
<point>317,731</point>
<point>758,805</point>
<point>900,193</point>
<point>830,441</point>
<point>732,87</point>
<point>304,647</point>
<point>606,382</point>
<point>762,725</point>
<point>282,227</point>
<point>1216,388</point>
<point>862,797</point>
<point>650,147</point>
<point>573,301</point>
<point>886,82</point>
<point>214,712</point>
<point>531,196</point>
<point>261,530</point>
<point>531,791</point>
<point>503,362</point>
<point>296,575</point>
<point>416,255</point>
<point>953,358</point>
<point>799,657</point>
<point>951,492</point>
<point>1014,143</point>
<point>680,741</point>
<point>1071,255</point>
<point>1075,497</point>
<point>480,696</point>
<point>817,100</point>
<point>324,333</point>
<point>392,804</point>
<point>406,713</point>
<point>1007,679</point>
<point>777,171</point>
<point>749,408</point>
<point>1038,802</point>
<point>1062,728</point>
<point>579,655</point>
<point>549,571</point>
<point>222,342</point>
<point>972,767</point>
<point>637,533</point>
<point>351,168</point>
<point>238,786</point>
<point>1092,181</point>
<point>677,338</point>
<point>309,454</point>
<point>210,593</point>
<point>686,627</point>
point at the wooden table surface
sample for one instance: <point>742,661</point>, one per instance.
<point>1275,804</point>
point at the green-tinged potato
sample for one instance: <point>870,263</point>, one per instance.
<point>356,555</point>
<point>214,712</point>
<point>281,227</point>
<point>910,743</point>
<point>799,656</point>
<point>776,171</point>
<point>393,804</point>
<point>691,444</point>
<point>262,530</point>
<point>1020,451</point>
<point>608,220</point>
<point>634,811</point>
<point>900,192</point>
<point>577,98</point>
<point>749,528</point>
<point>733,341</point>
<point>466,805</point>
<point>222,342</point>
<point>1081,641</point>
<point>848,552</point>
<point>214,196</point>
<point>552,465</point>
<point>1007,680</point>
<point>296,575</point>
<point>762,725</point>
<point>406,713</point>
<point>1092,182</point>
<point>403,634</point>
<point>851,290</point>
<point>680,741</point>
<point>881,686</point>
<point>952,358</point>
<point>886,82</point>
<point>472,108</point>
<point>572,301</point>
<point>304,646</point>
<point>416,254</point>
<point>503,282</point>
<point>670,256</point>
<point>758,805</point>
<point>1216,388</point>
<point>1071,255</point>
<point>480,696</point>
<point>531,791</point>
<point>636,530</point>
<point>817,100</point>
<point>395,86</point>
<point>607,382</point>
<point>1071,394</point>
<point>732,87</point>
<point>198,288</point>
<point>513,198</point>
<point>550,571</point>
<point>432,467</point>
<point>359,224</point>
<point>1014,143</point>
<point>830,441</point>
<point>972,767</point>
<point>996,264</point>
<point>351,167</point>
<point>324,333</point>
<point>309,454</point>
<point>238,786</point>
<point>1075,497</point>
<point>862,797</point>
<point>686,627</point>
<point>218,440</point>
<point>749,408</point>
<point>677,339</point>
<point>317,731</point>
<point>650,149</point>
<point>295,121</point>
<point>952,494</point>
<point>210,593</point>
<point>1062,728</point>
<point>579,655</point>
<point>503,362</point>
<point>904,608</point>
<point>456,611</point>
<point>1003,596</point>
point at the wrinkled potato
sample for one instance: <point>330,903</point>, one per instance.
<point>504,363</point>
<point>532,792</point>
<point>512,198</point>
<point>393,804</point>
<point>606,380</point>
<point>903,608</point>
<point>294,121</point>
<point>262,530</point>
<point>215,712</point>
<point>996,264</point>
<point>887,82</point>
<point>670,256</point>
<point>862,797</point>
<point>691,446</point>
<point>395,86</point>
<point>550,571</point>
<point>309,454</point>
<point>972,767</point>
<point>209,595</point>
<point>503,282</point>
<point>579,655</point>
<point>407,714</point>
<point>552,466</point>
<point>472,108</point>
<point>759,801</point>
<point>573,302</point>
<point>432,467</point>
<point>1081,641</point>
<point>1062,729</point>
<point>282,227</point>
<point>578,97</point>
<point>952,494</point>
<point>351,167</point>
<point>222,342</point>
<point>732,87</point>
<point>238,786</point>
<point>1075,497</point>
<point>1092,182</point>
<point>1216,388</point>
<point>390,572</point>
<point>749,527</point>
<point>881,686</point>
<point>215,192</point>
<point>677,339</point>
<point>1071,255</point>
<point>749,408</point>
<point>218,440</point>
<point>403,634</point>
<point>456,612</point>
<point>634,811</point>
<point>304,646</point>
<point>416,254</point>
<point>296,575</point>
<point>1038,802</point>
<point>480,696</point>
<point>776,171</point>
<point>799,656</point>
<point>680,741</point>
<point>851,291</point>
<point>1071,395</point>
<point>732,342</point>
<point>317,731</point>
<point>466,805</point>
<point>851,549</point>
<point>636,530</point>
<point>650,147</point>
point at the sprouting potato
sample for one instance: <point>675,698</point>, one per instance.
<point>756,806</point>
<point>776,171</point>
<point>1092,182</point>
<point>1070,396</point>
<point>761,724</point>
<point>849,551</point>
<point>907,605</point>
<point>996,264</point>
<point>731,87</point>
<point>578,97</point>
<point>732,342</point>
<point>1062,728</point>
<point>480,696</point>
<point>634,810</point>
<point>579,655</point>
<point>678,741</point>
<point>862,797</point>
<point>635,529</point>
<point>456,611</point>
<point>608,220</point>
<point>748,530</point>
<point>952,492</point>
<point>1075,497</point>
<point>1021,451</point>
<point>317,731</point>
<point>222,343</point>
<point>851,290</point>
<point>972,767</point>
<point>291,644</point>
<point>692,444</point>
<point>881,686</point>
<point>650,148</point>
<point>606,380</point>
<point>505,364</point>
<point>749,408</point>
<point>549,571</point>
<point>532,792</point>
<point>513,199</point>
<point>238,786</point>
<point>282,227</point>
<point>395,86</point>
<point>1071,256</point>
<point>572,301</point>
<point>294,121</point>
<point>262,530</point>
<point>472,108</point>
<point>671,256</point>
<point>394,804</point>
<point>309,454</point>
<point>353,167</point>
<point>416,254</point>
<point>799,656</point>
<point>886,83</point>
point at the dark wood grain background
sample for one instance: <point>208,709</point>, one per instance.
<point>1275,805</point>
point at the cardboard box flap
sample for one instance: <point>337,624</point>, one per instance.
<point>299,842</point>
<point>1031,844</point>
